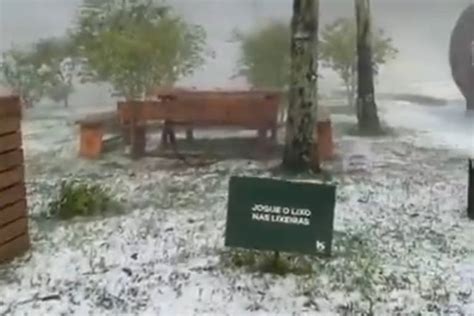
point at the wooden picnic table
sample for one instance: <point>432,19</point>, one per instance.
<point>255,110</point>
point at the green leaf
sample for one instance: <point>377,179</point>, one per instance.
<point>136,45</point>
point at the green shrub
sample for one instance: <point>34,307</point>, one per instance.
<point>78,198</point>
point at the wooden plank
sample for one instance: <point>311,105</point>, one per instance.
<point>9,125</point>
<point>253,111</point>
<point>177,92</point>
<point>11,177</point>
<point>10,142</point>
<point>13,230</point>
<point>12,195</point>
<point>10,106</point>
<point>98,117</point>
<point>14,248</point>
<point>10,160</point>
<point>12,213</point>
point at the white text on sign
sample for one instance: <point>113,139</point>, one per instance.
<point>278,214</point>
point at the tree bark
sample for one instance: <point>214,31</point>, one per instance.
<point>302,109</point>
<point>470,192</point>
<point>367,115</point>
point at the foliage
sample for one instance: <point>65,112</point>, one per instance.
<point>338,51</point>
<point>18,72</point>
<point>136,45</point>
<point>267,262</point>
<point>265,53</point>
<point>265,58</point>
<point>43,69</point>
<point>78,198</point>
<point>353,267</point>
<point>56,58</point>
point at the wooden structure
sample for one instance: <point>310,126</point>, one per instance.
<point>192,109</point>
<point>256,110</point>
<point>325,143</point>
<point>323,131</point>
<point>93,129</point>
<point>323,150</point>
<point>14,238</point>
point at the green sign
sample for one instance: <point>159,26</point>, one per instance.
<point>287,216</point>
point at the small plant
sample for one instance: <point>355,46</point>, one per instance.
<point>77,198</point>
<point>243,258</point>
<point>267,262</point>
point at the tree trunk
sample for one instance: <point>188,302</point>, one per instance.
<point>366,108</point>
<point>470,190</point>
<point>353,84</point>
<point>302,107</point>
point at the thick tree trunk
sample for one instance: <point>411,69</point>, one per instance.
<point>302,107</point>
<point>366,108</point>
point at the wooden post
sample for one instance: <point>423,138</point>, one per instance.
<point>125,130</point>
<point>189,134</point>
<point>470,191</point>
<point>137,133</point>
<point>262,135</point>
<point>139,141</point>
<point>273,133</point>
<point>168,136</point>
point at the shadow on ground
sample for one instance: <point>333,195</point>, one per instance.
<point>221,148</point>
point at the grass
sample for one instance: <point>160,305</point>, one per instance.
<point>354,265</point>
<point>354,268</point>
<point>266,262</point>
<point>80,199</point>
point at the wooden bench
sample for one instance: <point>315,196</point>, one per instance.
<point>95,133</point>
<point>255,110</point>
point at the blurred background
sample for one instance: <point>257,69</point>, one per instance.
<point>420,30</point>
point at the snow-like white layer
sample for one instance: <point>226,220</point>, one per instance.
<point>447,126</point>
<point>163,257</point>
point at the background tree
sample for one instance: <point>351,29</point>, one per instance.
<point>264,59</point>
<point>367,116</point>
<point>19,73</point>
<point>136,45</point>
<point>338,51</point>
<point>56,57</point>
<point>302,108</point>
<point>265,62</point>
<point>45,69</point>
